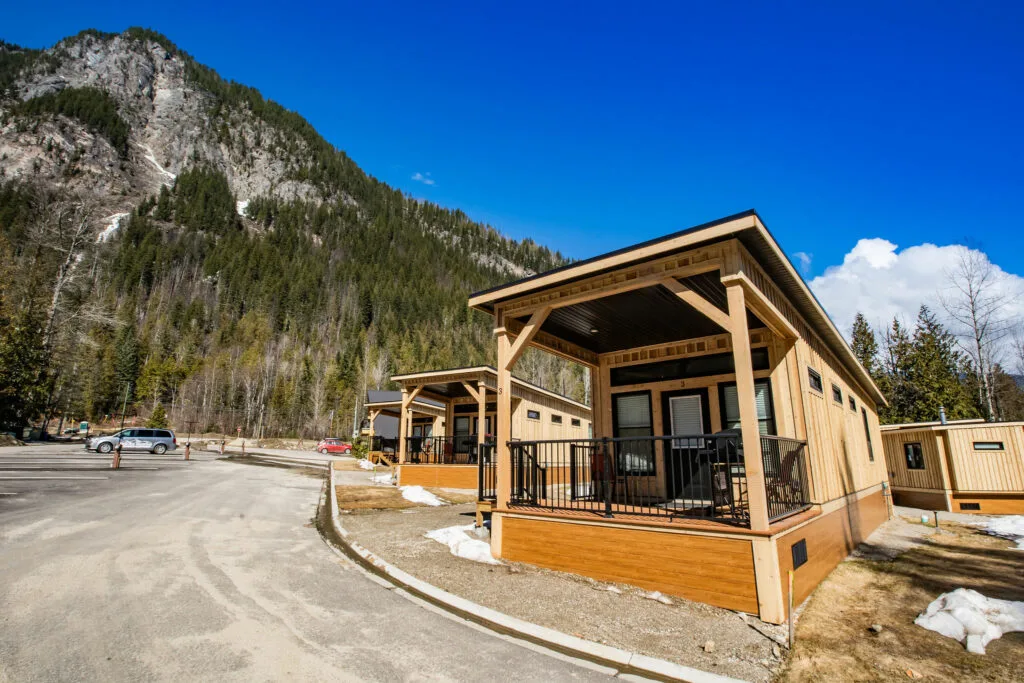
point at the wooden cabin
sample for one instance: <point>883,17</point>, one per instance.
<point>968,466</point>
<point>454,449</point>
<point>735,438</point>
<point>383,409</point>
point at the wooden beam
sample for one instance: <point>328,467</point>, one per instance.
<point>503,482</point>
<point>471,391</point>
<point>415,392</point>
<point>527,334</point>
<point>403,428</point>
<point>762,307</point>
<point>705,307</point>
<point>749,433</point>
<point>481,420</point>
<point>554,345</point>
<point>627,279</point>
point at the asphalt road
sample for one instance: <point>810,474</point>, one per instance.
<point>209,570</point>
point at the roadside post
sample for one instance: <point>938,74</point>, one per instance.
<point>116,462</point>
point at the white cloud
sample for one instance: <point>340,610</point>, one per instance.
<point>423,178</point>
<point>803,261</point>
<point>881,281</point>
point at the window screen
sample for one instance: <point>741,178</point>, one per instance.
<point>914,455</point>
<point>763,400</point>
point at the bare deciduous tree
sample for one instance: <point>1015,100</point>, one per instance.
<point>975,302</point>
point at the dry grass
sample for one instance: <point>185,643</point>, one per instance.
<point>348,464</point>
<point>387,498</point>
<point>833,637</point>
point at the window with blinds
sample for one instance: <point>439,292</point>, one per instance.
<point>632,420</point>
<point>763,400</point>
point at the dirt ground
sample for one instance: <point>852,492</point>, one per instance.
<point>615,614</point>
<point>833,637</point>
<point>352,498</point>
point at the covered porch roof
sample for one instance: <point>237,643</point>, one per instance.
<point>665,290</point>
<point>456,383</point>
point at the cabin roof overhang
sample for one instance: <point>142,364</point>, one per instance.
<point>623,312</point>
<point>450,383</point>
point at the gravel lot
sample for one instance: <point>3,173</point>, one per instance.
<point>614,614</point>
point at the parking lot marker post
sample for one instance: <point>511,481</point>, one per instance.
<point>116,463</point>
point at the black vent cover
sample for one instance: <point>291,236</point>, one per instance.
<point>799,553</point>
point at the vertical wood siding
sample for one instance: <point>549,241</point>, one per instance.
<point>901,477</point>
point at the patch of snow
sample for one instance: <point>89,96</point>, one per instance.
<point>659,597</point>
<point>242,206</point>
<point>1010,527</point>
<point>382,479</point>
<point>113,223</point>
<point>151,158</point>
<point>971,618</point>
<point>418,494</point>
<point>613,589</point>
<point>366,464</point>
<point>461,544</point>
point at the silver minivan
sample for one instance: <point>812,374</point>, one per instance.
<point>153,440</point>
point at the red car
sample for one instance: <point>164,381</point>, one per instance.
<point>333,446</point>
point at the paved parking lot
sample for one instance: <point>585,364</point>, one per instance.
<point>34,473</point>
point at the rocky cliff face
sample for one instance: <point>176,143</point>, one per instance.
<point>173,124</point>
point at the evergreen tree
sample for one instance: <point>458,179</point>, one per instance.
<point>865,345</point>
<point>23,362</point>
<point>158,420</point>
<point>895,384</point>
<point>935,371</point>
<point>126,364</point>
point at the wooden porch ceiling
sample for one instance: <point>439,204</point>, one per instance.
<point>641,317</point>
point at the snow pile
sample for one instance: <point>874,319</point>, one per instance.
<point>113,223</point>
<point>967,615</point>
<point>382,478</point>
<point>151,158</point>
<point>659,597</point>
<point>418,494</point>
<point>242,206</point>
<point>366,464</point>
<point>462,544</point>
<point>1010,527</point>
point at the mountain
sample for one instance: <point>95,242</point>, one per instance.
<point>169,237</point>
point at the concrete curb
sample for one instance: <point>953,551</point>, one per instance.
<point>623,661</point>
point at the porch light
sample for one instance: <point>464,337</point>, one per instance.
<point>593,330</point>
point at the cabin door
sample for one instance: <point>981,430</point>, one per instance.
<point>687,418</point>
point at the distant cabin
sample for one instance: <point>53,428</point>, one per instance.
<point>968,466</point>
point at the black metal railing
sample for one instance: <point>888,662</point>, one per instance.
<point>442,450</point>
<point>785,476</point>
<point>699,476</point>
<point>487,476</point>
<point>382,444</point>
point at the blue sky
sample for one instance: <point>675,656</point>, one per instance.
<point>591,127</point>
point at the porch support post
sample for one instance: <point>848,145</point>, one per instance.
<point>374,414</point>
<point>751,436</point>
<point>403,422</point>
<point>481,418</point>
<point>503,434</point>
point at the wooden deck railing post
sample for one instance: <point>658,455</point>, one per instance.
<point>607,475</point>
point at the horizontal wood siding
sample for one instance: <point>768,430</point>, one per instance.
<point>901,477</point>
<point>926,500</point>
<point>996,504</point>
<point>716,571</point>
<point>987,470</point>
<point>829,538</point>
<point>439,476</point>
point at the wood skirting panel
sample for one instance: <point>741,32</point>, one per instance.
<point>716,571</point>
<point>439,476</point>
<point>999,504</point>
<point>926,500</point>
<point>829,539</point>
